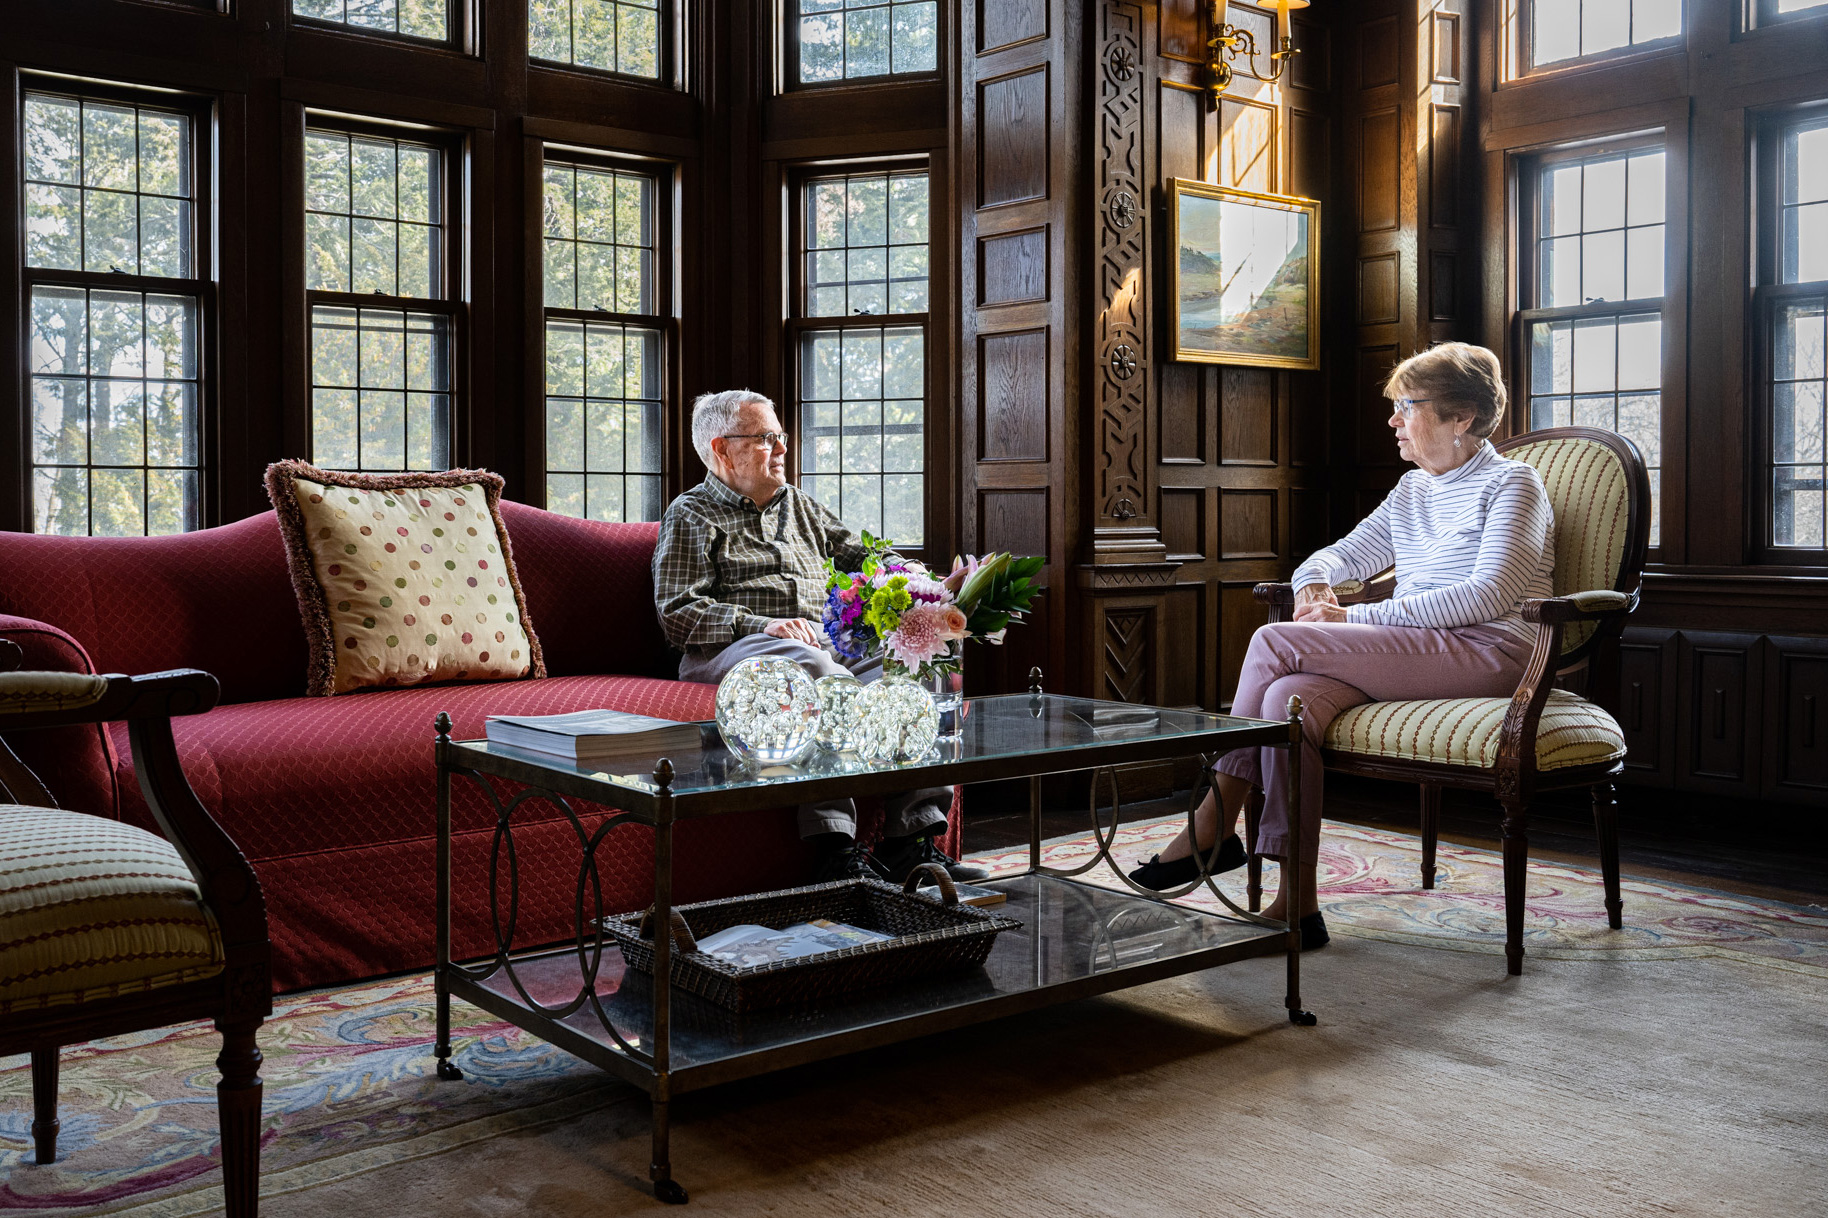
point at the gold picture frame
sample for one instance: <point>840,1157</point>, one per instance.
<point>1264,312</point>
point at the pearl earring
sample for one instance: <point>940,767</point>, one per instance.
<point>1456,441</point>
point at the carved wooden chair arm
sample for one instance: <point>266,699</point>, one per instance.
<point>1517,738</point>
<point>1280,597</point>
<point>1593,605</point>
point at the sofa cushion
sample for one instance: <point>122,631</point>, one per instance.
<point>310,774</point>
<point>75,763</point>
<point>402,579</point>
<point>92,909</point>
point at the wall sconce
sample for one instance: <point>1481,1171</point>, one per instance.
<point>1228,41</point>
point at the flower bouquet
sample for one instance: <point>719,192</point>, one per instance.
<point>918,623</point>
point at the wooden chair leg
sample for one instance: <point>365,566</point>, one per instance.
<point>1606,824</point>
<point>238,1098</point>
<point>1431,829</point>
<point>44,1104</point>
<point>1516,876</point>
<point>1253,821</point>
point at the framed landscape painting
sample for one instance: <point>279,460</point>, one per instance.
<point>1243,286</point>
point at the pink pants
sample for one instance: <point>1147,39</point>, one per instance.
<point>1335,666</point>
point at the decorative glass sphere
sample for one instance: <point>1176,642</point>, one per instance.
<point>768,711</point>
<point>838,711</point>
<point>897,720</point>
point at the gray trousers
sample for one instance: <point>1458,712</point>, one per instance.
<point>905,813</point>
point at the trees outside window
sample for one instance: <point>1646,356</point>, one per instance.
<point>114,307</point>
<point>838,40</point>
<point>861,329</point>
<point>605,339</point>
<point>1795,309</point>
<point>377,279</point>
<point>626,37</point>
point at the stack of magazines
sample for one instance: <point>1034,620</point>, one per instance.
<point>747,945</point>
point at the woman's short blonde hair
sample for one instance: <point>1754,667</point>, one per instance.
<point>1460,380</point>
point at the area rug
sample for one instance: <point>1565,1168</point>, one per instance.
<point>350,1104</point>
<point>1370,887</point>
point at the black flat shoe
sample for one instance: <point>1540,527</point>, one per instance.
<point>1314,932</point>
<point>1158,876</point>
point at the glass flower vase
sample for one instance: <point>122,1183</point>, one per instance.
<point>944,678</point>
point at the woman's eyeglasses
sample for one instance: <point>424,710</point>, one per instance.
<point>768,438</point>
<point>1406,406</point>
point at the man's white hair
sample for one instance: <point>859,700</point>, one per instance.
<point>714,414</point>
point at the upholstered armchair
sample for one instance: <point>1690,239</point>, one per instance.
<point>106,928</point>
<point>1541,738</point>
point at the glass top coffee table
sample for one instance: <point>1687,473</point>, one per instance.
<point>1077,938</point>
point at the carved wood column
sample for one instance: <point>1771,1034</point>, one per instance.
<point>1124,568</point>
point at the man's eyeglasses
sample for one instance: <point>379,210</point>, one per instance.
<point>1406,406</point>
<point>768,438</point>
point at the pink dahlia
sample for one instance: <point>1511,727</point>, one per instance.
<point>920,637</point>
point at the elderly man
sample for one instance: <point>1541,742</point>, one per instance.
<point>739,573</point>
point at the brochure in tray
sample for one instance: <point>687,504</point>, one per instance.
<point>747,945</point>
<point>593,735</point>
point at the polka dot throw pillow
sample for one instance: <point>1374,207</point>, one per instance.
<point>402,579</point>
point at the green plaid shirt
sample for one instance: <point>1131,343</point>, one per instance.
<point>724,568</point>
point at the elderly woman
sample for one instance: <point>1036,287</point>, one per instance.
<point>1471,536</point>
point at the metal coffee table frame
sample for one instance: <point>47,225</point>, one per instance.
<point>655,1069</point>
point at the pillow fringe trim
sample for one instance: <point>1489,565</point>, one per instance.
<point>281,481</point>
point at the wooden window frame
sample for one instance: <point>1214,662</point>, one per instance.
<point>673,33</point>
<point>1767,294</point>
<point>666,175</point>
<point>1763,14</point>
<point>1519,44</point>
<point>796,323</point>
<point>1528,170</point>
<point>457,270</point>
<point>787,62</point>
<point>15,448</point>
<point>464,37</point>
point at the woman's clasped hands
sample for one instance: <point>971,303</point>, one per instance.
<point>1316,603</point>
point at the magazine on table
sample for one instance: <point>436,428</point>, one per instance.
<point>593,735</point>
<point>747,945</point>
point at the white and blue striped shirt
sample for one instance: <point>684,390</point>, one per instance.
<point>1469,547</point>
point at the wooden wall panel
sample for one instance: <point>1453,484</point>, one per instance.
<point>1183,516</point>
<point>1182,409</point>
<point>1646,706</point>
<point>1247,427</point>
<point>1012,137</point>
<point>1014,412</point>
<point>1721,679</point>
<point>1012,267</point>
<point>1377,290</point>
<point>1795,719</point>
<point>1014,520</point>
<point>1379,207</point>
<point>1377,52</point>
<point>1004,23</point>
<point>1247,524</point>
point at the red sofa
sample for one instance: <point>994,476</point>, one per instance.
<point>332,799</point>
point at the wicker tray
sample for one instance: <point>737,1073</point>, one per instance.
<point>931,935</point>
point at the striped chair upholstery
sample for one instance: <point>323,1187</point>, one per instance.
<point>92,908</point>
<point>1465,731</point>
<point>1590,492</point>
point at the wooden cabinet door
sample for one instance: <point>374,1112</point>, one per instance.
<point>1796,719</point>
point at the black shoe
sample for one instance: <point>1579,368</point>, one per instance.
<point>1314,932</point>
<point>901,855</point>
<point>1159,876</point>
<point>851,862</point>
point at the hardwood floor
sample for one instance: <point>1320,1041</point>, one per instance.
<point>1776,852</point>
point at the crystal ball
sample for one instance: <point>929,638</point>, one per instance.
<point>768,711</point>
<point>897,720</point>
<point>838,711</point>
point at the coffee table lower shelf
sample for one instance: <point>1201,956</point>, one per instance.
<point>1076,940</point>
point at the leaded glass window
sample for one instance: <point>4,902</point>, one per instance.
<point>1563,30</point>
<point>605,342</point>
<point>1799,342</point>
<point>429,19</point>
<point>382,327</point>
<point>620,36</point>
<point>1596,331</point>
<point>837,40</point>
<point>862,384</point>
<point>113,315</point>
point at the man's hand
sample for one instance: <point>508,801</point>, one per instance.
<point>797,628</point>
